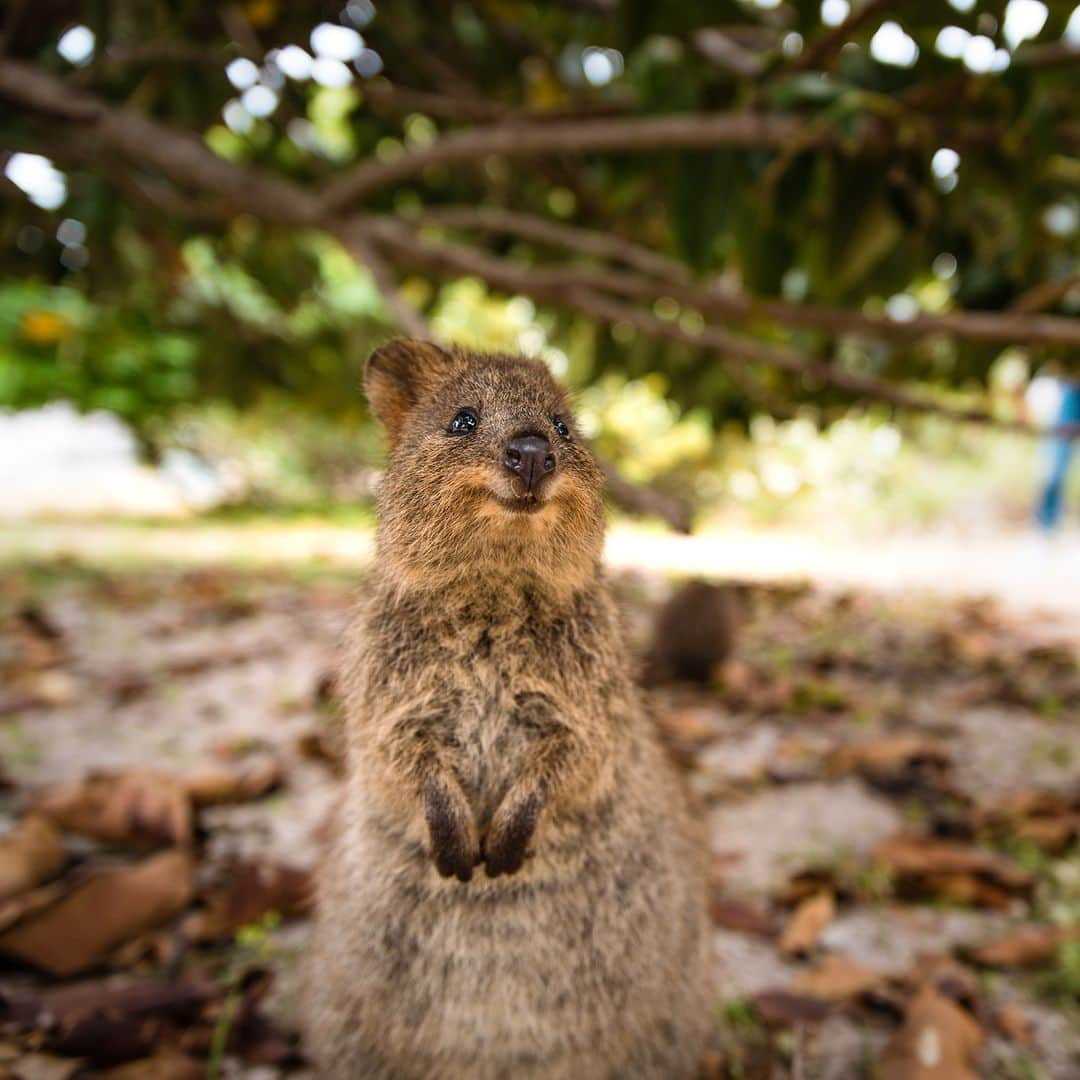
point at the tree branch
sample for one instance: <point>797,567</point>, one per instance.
<point>563,290</point>
<point>590,242</point>
<point>826,45</point>
<point>679,131</point>
<point>673,279</point>
<point>178,155</point>
<point>641,499</point>
<point>1044,295</point>
<point>367,255</point>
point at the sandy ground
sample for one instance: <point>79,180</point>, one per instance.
<point>1026,572</point>
<point>251,660</point>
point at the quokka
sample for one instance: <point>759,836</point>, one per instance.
<point>517,883</point>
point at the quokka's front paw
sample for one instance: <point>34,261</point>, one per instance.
<point>454,845</point>
<point>512,827</point>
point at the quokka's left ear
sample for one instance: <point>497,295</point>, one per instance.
<point>398,375</point>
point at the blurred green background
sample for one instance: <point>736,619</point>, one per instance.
<point>916,163</point>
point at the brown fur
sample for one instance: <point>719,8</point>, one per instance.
<point>517,885</point>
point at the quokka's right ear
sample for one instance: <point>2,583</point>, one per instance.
<point>398,375</point>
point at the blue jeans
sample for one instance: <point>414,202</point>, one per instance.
<point>1058,455</point>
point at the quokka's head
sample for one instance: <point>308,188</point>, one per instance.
<point>486,470</point>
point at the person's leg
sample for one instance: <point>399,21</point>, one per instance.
<point>1048,508</point>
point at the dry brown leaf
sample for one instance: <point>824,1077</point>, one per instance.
<point>106,1022</point>
<point>100,913</point>
<point>1047,819</point>
<point>696,726</point>
<point>31,853</point>
<point>712,1066</point>
<point>946,975</point>
<point>141,808</point>
<point>1050,834</point>
<point>164,1065</point>
<point>18,1064</point>
<point>1011,1022</point>
<point>37,641</point>
<point>809,882</point>
<point>734,915</point>
<point>1029,802</point>
<point>782,1008</point>
<point>807,924</point>
<point>253,890</point>
<point>924,866</point>
<point>320,745</point>
<point>1034,947</point>
<point>937,1041</point>
<point>225,784</point>
<point>18,907</point>
<point>49,689</point>
<point>835,978</point>
<point>888,754</point>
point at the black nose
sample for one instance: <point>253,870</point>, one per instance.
<point>530,457</point>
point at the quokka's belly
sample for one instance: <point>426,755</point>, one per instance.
<point>591,961</point>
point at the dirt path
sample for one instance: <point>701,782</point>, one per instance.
<point>1024,572</point>
<point>843,719</point>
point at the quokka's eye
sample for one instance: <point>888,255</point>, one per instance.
<point>464,422</point>
<point>560,426</point>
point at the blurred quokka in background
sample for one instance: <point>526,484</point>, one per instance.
<point>517,884</point>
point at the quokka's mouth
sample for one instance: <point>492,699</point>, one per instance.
<point>523,504</point>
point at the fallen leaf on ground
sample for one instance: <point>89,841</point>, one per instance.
<point>253,890</point>
<point>142,808</point>
<point>922,866</point>
<point>712,1067</point>
<point>319,745</point>
<point>106,1022</point>
<point>1047,819</point>
<point>31,853</point>
<point>1011,1022</point>
<point>48,689</point>
<point>946,975</point>
<point>889,754</point>
<point>735,915</point>
<point>18,1064</point>
<point>694,726</point>
<point>782,1008</point>
<point>37,640</point>
<point>127,686</point>
<point>1051,834</point>
<point>937,1041</point>
<point>18,907</point>
<point>813,880</point>
<point>807,924</point>
<point>101,912</point>
<point>835,978</point>
<point>1034,947</point>
<point>165,1065</point>
<point>224,784</point>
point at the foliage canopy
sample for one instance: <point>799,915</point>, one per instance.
<point>768,202</point>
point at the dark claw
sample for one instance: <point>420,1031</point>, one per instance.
<point>507,843</point>
<point>451,845</point>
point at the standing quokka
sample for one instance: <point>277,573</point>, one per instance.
<point>516,886</point>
